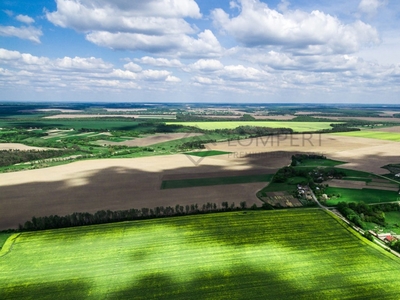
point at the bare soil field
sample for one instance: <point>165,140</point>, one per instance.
<point>353,184</point>
<point>21,147</point>
<point>361,153</point>
<point>348,184</point>
<point>254,171</point>
<point>113,184</point>
<point>150,140</point>
<point>135,183</point>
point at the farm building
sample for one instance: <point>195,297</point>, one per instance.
<point>390,239</point>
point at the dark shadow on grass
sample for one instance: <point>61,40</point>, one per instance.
<point>67,289</point>
<point>236,283</point>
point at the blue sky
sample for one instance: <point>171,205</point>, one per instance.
<point>200,51</point>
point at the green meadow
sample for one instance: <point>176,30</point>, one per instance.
<point>380,135</point>
<point>285,254</point>
<point>320,163</point>
<point>296,126</point>
<point>360,195</point>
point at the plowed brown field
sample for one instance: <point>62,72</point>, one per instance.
<point>135,183</point>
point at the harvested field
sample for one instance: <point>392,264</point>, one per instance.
<point>114,184</point>
<point>349,184</point>
<point>150,140</point>
<point>252,172</point>
<point>362,154</point>
<point>134,183</point>
<point>21,147</point>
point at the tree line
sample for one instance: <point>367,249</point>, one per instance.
<point>12,157</point>
<point>108,216</point>
<point>359,213</point>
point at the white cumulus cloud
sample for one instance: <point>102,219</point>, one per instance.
<point>26,33</point>
<point>159,62</point>
<point>370,7</point>
<point>143,25</point>
<point>207,65</point>
<point>258,25</point>
<point>25,19</point>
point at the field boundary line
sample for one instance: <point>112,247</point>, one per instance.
<point>377,246</point>
<point>9,244</point>
<point>387,178</point>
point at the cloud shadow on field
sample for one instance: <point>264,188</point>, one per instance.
<point>244,282</point>
<point>235,283</point>
<point>118,187</point>
<point>73,289</point>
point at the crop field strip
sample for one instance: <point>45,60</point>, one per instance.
<point>210,181</point>
<point>380,135</point>
<point>295,254</point>
<point>207,153</point>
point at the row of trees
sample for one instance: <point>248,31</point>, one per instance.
<point>310,175</point>
<point>11,157</point>
<point>359,213</point>
<point>108,216</point>
<point>254,131</point>
<point>298,159</point>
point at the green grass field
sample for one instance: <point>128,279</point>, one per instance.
<point>207,153</point>
<point>185,183</point>
<point>295,254</point>
<point>3,238</point>
<point>380,135</point>
<point>296,126</point>
<point>361,195</point>
<point>320,163</point>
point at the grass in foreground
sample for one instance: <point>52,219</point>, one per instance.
<point>295,254</point>
<point>296,126</point>
<point>3,238</point>
<point>185,183</point>
<point>360,195</point>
